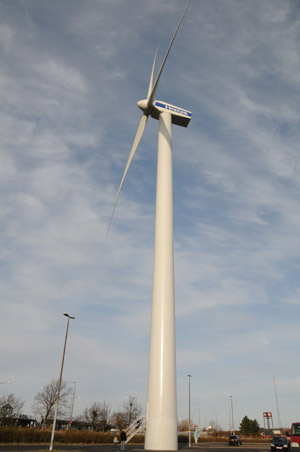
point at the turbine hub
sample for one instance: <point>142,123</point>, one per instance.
<point>142,104</point>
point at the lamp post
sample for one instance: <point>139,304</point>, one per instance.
<point>232,420</point>
<point>59,381</point>
<point>72,404</point>
<point>189,410</point>
<point>216,418</point>
<point>277,404</point>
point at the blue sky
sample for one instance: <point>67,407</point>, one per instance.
<point>71,74</point>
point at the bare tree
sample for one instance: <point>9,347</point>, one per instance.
<point>119,420</point>
<point>10,406</point>
<point>44,401</point>
<point>104,415</point>
<point>183,425</point>
<point>97,415</point>
<point>214,426</point>
<point>132,409</point>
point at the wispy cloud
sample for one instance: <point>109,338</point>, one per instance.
<point>70,79</point>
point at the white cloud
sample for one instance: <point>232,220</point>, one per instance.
<point>65,77</point>
<point>6,37</point>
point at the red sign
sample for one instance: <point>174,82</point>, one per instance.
<point>267,414</point>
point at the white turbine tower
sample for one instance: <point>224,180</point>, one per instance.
<point>161,417</point>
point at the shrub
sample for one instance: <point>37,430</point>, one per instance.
<point>35,435</point>
<point>23,435</point>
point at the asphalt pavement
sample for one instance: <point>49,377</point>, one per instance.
<point>201,447</point>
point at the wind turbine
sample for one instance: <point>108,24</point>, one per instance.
<point>161,416</point>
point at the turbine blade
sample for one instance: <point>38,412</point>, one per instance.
<point>151,78</point>
<point>151,97</point>
<point>136,141</point>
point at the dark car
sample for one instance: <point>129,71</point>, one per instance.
<point>280,443</point>
<point>234,440</point>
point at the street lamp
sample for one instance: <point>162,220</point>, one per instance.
<point>189,410</point>
<point>72,405</point>
<point>216,418</point>
<point>232,420</point>
<point>59,381</point>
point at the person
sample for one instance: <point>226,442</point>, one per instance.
<point>123,440</point>
<point>115,441</point>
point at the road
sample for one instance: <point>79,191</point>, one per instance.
<point>202,447</point>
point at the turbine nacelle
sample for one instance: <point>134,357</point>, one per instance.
<point>180,116</point>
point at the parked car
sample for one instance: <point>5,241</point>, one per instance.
<point>235,440</point>
<point>295,437</point>
<point>280,443</point>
